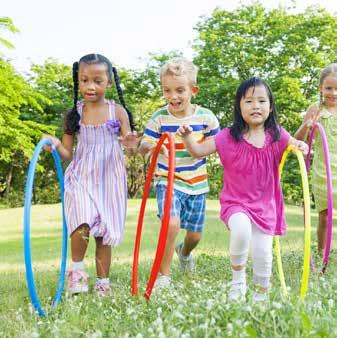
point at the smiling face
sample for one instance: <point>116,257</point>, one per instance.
<point>255,106</point>
<point>328,90</point>
<point>178,91</point>
<point>93,81</point>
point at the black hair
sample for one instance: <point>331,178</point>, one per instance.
<point>239,125</point>
<point>73,117</point>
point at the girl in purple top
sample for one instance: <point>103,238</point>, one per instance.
<point>95,181</point>
<point>251,199</point>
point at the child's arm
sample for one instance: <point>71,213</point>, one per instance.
<point>128,138</point>
<point>311,117</point>
<point>300,145</point>
<point>196,149</point>
<point>64,148</point>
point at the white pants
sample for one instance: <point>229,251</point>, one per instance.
<point>244,235</point>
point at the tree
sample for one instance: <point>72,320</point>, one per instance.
<point>288,50</point>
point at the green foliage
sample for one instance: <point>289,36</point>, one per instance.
<point>288,50</point>
<point>7,24</point>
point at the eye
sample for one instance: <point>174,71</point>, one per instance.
<point>248,101</point>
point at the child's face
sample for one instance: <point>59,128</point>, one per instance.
<point>329,90</point>
<point>178,91</point>
<point>93,81</point>
<point>255,106</point>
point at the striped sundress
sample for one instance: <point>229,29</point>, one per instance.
<point>329,123</point>
<point>95,181</point>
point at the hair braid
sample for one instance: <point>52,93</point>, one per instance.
<point>121,98</point>
<point>73,117</point>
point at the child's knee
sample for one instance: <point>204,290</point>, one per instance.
<point>174,227</point>
<point>194,237</point>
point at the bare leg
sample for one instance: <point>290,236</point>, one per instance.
<point>322,229</point>
<point>190,242</point>
<point>79,242</point>
<point>174,227</point>
<point>103,258</point>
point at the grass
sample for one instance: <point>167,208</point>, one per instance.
<point>196,307</point>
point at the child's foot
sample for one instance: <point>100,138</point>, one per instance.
<point>162,282</point>
<point>237,292</point>
<point>259,297</point>
<point>186,262</point>
<point>102,289</point>
<point>77,281</point>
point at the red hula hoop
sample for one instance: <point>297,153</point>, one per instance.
<point>165,221</point>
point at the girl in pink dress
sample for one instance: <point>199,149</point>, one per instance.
<point>251,200</point>
<point>95,181</point>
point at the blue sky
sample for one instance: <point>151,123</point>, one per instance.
<point>125,31</point>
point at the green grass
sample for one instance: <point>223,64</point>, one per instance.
<point>196,307</point>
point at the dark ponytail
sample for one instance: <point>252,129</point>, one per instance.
<point>73,117</point>
<point>121,98</point>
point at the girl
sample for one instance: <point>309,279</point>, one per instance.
<point>95,180</point>
<point>251,199</point>
<point>326,113</point>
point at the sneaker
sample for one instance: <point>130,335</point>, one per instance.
<point>186,262</point>
<point>102,289</point>
<point>237,292</point>
<point>77,281</point>
<point>162,282</point>
<point>259,297</point>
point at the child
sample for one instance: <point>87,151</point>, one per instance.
<point>251,199</point>
<point>95,181</point>
<point>179,84</point>
<point>326,113</point>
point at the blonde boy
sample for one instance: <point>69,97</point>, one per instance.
<point>179,85</point>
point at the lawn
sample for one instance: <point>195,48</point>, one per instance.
<point>196,306</point>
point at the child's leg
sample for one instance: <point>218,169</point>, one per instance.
<point>262,258</point>
<point>79,242</point>
<point>174,227</point>
<point>103,258</point>
<point>77,277</point>
<point>190,242</point>
<point>240,236</point>
<point>322,229</point>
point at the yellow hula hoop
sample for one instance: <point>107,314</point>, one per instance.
<point>307,226</point>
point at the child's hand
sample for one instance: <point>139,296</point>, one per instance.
<point>184,131</point>
<point>312,116</point>
<point>55,143</point>
<point>148,148</point>
<point>130,140</point>
<point>300,145</point>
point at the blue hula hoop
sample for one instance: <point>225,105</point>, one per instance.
<point>26,229</point>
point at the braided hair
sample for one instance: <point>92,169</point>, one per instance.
<point>73,117</point>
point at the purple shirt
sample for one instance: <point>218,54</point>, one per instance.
<point>251,180</point>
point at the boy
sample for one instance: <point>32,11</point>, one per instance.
<point>179,84</point>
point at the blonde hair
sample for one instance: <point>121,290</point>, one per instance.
<point>328,70</point>
<point>178,67</point>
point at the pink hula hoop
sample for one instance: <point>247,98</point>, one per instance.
<point>329,187</point>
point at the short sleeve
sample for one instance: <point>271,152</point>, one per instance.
<point>283,142</point>
<point>152,132</point>
<point>212,126</point>
<point>221,142</point>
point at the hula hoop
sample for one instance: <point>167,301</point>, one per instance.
<point>26,229</point>
<point>329,188</point>
<point>307,226</point>
<point>165,221</point>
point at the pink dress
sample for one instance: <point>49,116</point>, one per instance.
<point>251,180</point>
<point>95,181</point>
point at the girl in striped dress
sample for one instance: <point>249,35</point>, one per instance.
<point>95,181</point>
<point>326,113</point>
